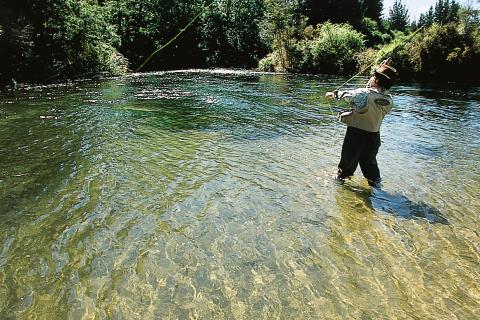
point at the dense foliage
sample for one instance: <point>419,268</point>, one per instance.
<point>444,11</point>
<point>55,39</point>
<point>444,51</point>
<point>52,40</point>
<point>327,49</point>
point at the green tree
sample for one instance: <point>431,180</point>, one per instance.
<point>427,19</point>
<point>374,32</point>
<point>230,33</point>
<point>331,49</point>
<point>372,9</point>
<point>281,26</point>
<point>443,12</point>
<point>48,40</point>
<point>145,25</point>
<point>444,53</point>
<point>398,16</point>
<point>16,42</point>
<point>81,40</point>
<point>446,11</point>
<point>469,20</point>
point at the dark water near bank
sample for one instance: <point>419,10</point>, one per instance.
<point>209,195</point>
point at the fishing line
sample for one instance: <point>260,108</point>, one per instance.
<point>380,53</point>
<point>175,37</point>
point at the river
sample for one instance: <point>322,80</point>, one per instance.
<point>209,195</point>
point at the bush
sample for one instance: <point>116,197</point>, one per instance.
<point>443,53</point>
<point>398,51</point>
<point>332,49</point>
<point>268,63</point>
<point>366,59</point>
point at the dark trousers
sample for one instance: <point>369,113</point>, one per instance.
<point>360,146</point>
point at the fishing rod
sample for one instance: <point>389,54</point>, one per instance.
<point>405,41</point>
<point>381,52</point>
<point>175,37</point>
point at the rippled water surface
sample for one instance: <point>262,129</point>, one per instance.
<point>210,195</point>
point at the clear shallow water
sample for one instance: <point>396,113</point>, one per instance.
<point>209,195</point>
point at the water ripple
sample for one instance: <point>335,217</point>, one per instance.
<point>208,194</point>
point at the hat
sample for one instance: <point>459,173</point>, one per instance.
<point>386,71</point>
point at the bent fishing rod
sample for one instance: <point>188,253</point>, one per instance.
<point>380,53</point>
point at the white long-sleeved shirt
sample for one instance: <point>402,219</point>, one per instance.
<point>368,108</point>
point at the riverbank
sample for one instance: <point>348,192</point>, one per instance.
<point>77,39</point>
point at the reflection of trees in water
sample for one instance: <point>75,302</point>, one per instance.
<point>39,151</point>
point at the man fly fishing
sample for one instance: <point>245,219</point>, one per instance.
<point>369,106</point>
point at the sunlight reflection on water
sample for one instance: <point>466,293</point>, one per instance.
<point>208,194</point>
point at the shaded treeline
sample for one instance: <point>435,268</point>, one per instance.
<point>42,40</point>
<point>53,40</point>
